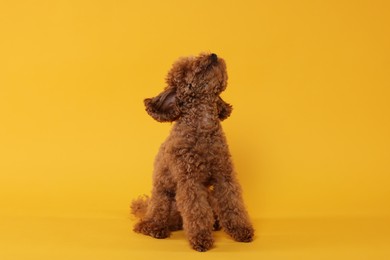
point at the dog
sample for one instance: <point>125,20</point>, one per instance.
<point>194,182</point>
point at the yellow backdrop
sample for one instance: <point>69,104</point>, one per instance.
<point>309,134</point>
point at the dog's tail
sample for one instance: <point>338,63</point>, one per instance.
<point>139,206</point>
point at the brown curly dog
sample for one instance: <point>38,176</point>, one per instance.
<point>194,183</point>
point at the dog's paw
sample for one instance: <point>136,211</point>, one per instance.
<point>242,234</point>
<point>152,229</point>
<point>202,241</point>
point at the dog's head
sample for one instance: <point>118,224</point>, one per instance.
<point>191,79</point>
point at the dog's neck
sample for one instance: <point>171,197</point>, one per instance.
<point>202,116</point>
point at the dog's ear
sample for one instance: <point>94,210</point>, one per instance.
<point>163,108</point>
<point>224,109</point>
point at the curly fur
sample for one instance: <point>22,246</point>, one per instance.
<point>194,182</point>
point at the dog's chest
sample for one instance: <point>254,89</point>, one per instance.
<point>203,145</point>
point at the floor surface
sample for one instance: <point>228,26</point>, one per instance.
<point>108,235</point>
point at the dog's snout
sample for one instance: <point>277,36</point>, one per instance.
<point>213,57</point>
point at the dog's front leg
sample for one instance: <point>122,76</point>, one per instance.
<point>198,219</point>
<point>156,221</point>
<point>231,210</point>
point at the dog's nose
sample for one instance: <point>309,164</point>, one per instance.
<point>213,57</point>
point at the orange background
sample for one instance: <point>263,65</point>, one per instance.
<point>309,134</point>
